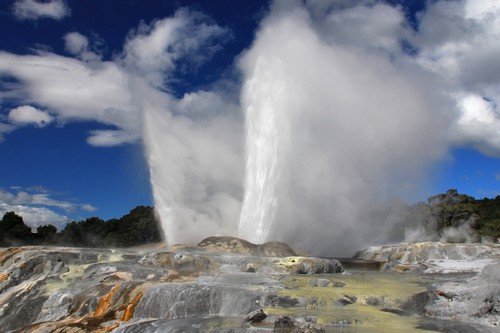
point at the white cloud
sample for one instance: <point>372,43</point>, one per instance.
<point>459,41</point>
<point>110,138</point>
<point>94,90</point>
<point>88,208</point>
<point>44,199</point>
<point>39,198</point>
<point>35,216</point>
<point>4,129</point>
<point>74,90</point>
<point>479,124</point>
<point>380,27</point>
<point>28,115</point>
<point>35,208</point>
<point>153,50</point>
<point>35,9</point>
<point>75,43</point>
<point>78,45</point>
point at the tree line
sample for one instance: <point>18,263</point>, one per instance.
<point>137,227</point>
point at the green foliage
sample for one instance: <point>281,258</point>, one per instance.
<point>13,230</point>
<point>453,209</point>
<point>46,234</point>
<point>490,217</point>
<point>138,227</point>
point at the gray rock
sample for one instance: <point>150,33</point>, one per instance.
<point>288,324</point>
<point>476,301</point>
<point>347,300</point>
<point>320,282</point>
<point>256,316</point>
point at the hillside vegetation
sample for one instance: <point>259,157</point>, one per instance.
<point>138,227</point>
<point>450,217</point>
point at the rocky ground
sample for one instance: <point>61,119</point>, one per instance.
<point>229,285</point>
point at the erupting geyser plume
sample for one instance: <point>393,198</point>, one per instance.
<point>332,130</point>
<point>340,117</point>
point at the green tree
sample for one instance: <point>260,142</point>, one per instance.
<point>47,234</point>
<point>14,231</point>
<point>138,227</point>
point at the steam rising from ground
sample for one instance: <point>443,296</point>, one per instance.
<point>341,117</point>
<point>342,105</point>
<point>193,144</point>
<point>195,167</point>
<point>331,131</point>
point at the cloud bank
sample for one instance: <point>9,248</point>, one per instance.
<point>37,206</point>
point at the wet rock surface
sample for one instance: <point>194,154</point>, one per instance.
<point>241,246</point>
<point>466,287</point>
<point>433,257</point>
<point>58,289</point>
<point>229,285</point>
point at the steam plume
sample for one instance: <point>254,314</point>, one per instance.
<point>332,130</point>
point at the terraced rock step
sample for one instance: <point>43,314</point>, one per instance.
<point>229,285</point>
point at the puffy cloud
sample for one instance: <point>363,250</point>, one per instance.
<point>459,41</point>
<point>78,45</point>
<point>37,197</point>
<point>36,216</point>
<point>380,27</point>
<point>75,90</point>
<point>88,208</point>
<point>26,115</point>
<point>479,124</point>
<point>36,206</point>
<point>153,50</point>
<point>35,9</point>
<point>94,90</point>
<point>75,43</point>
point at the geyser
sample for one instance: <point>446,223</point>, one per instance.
<point>340,118</point>
<point>332,130</point>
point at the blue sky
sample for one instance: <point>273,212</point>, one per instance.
<point>47,160</point>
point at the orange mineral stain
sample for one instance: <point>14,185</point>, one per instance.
<point>105,301</point>
<point>4,277</point>
<point>129,310</point>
